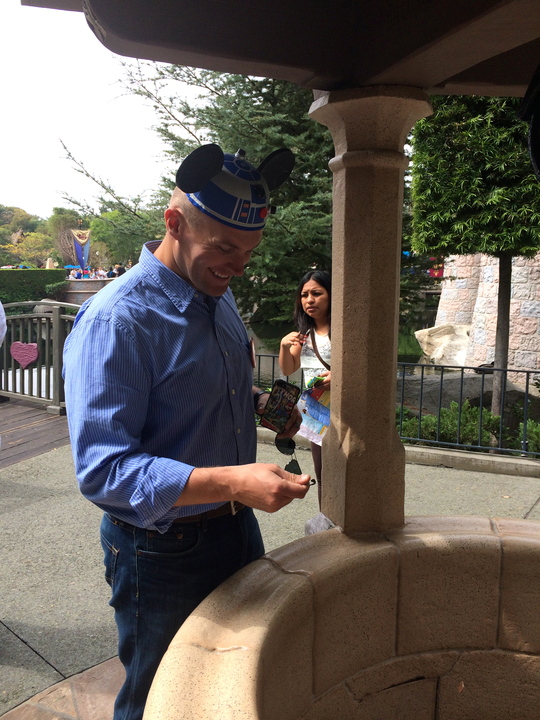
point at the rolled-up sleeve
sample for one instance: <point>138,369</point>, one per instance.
<point>158,382</point>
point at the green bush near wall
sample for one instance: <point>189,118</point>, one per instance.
<point>23,285</point>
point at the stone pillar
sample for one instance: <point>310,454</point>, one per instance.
<point>363,458</point>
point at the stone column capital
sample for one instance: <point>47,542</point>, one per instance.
<point>379,116</point>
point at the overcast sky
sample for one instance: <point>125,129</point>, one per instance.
<point>57,81</point>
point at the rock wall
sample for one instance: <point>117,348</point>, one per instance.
<point>459,289</point>
<point>469,296</point>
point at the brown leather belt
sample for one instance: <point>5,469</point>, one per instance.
<point>230,508</point>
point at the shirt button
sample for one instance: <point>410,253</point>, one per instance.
<point>238,430</point>
<point>226,354</point>
<point>233,392</point>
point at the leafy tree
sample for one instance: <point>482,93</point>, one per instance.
<point>14,224</point>
<point>130,221</point>
<point>99,255</point>
<point>416,277</point>
<point>33,250</point>
<point>259,115</point>
<point>474,191</point>
<point>121,237</point>
<point>15,221</point>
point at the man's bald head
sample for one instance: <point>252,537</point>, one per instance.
<point>194,217</point>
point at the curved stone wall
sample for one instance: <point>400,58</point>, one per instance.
<point>437,619</point>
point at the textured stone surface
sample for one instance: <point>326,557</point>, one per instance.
<point>471,281</point>
<point>353,629</point>
<point>449,591</point>
<point>415,700</point>
<point>241,631</point>
<point>310,630</point>
<point>491,686</point>
<point>87,696</point>
<point>520,593</point>
<point>362,450</point>
<point>336,703</point>
<point>445,344</point>
<point>399,671</point>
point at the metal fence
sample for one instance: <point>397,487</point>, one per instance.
<point>450,406</point>
<point>437,405</point>
<point>31,355</point>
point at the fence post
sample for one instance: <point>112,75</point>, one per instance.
<point>58,336</point>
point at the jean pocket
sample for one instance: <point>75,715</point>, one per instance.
<point>110,557</point>
<point>170,545</point>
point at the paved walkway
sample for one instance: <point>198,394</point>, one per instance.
<point>57,634</point>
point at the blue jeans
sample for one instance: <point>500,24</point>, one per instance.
<point>157,580</point>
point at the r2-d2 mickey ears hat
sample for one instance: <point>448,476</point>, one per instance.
<point>230,189</point>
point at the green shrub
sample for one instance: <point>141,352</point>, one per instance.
<point>445,429</point>
<point>56,290</point>
<point>26,285</point>
<point>533,437</point>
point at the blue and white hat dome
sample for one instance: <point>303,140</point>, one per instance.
<point>230,189</point>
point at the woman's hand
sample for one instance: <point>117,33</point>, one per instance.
<point>324,384</point>
<point>293,424</point>
<point>293,339</point>
<point>290,350</point>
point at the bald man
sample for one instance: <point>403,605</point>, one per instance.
<point>160,401</point>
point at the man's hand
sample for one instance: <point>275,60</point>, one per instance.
<point>260,485</point>
<point>293,424</point>
<point>268,487</point>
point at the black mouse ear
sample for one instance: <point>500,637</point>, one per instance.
<point>277,167</point>
<point>199,167</point>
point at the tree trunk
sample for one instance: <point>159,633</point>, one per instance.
<point>503,330</point>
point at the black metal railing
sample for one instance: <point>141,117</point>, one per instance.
<point>441,406</point>
<point>450,406</point>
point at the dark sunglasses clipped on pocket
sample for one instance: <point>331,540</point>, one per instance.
<point>287,446</point>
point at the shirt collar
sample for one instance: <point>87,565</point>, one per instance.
<point>180,292</point>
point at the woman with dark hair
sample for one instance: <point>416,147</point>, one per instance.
<point>309,346</point>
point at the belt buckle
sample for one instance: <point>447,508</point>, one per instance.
<point>233,507</point>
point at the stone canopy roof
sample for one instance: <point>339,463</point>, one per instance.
<point>487,47</point>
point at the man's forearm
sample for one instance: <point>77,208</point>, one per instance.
<point>261,486</point>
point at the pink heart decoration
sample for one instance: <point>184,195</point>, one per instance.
<point>24,353</point>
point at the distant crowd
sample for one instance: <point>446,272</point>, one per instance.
<point>98,273</point>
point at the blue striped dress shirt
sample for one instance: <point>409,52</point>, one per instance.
<point>158,381</point>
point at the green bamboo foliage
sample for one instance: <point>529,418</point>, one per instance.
<point>473,189</point>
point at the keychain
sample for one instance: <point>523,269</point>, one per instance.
<point>287,446</point>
